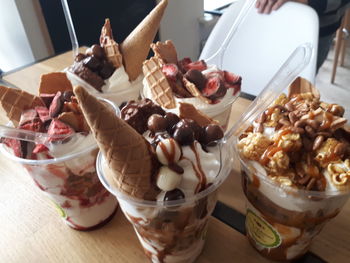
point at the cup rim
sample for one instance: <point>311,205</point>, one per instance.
<point>270,182</point>
<point>221,177</point>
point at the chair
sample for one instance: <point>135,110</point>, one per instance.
<point>340,43</point>
<point>263,42</point>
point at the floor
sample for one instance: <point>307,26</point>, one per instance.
<point>339,92</point>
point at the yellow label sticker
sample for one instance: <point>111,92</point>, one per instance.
<point>261,231</point>
<point>59,209</point>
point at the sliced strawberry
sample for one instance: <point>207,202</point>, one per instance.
<point>214,88</point>
<point>199,65</point>
<point>170,71</point>
<point>231,78</point>
<point>58,128</point>
<point>43,113</point>
<point>35,125</point>
<point>56,105</point>
<point>183,64</point>
<point>28,116</point>
<point>40,148</point>
<point>47,98</point>
<point>19,147</point>
<point>217,74</point>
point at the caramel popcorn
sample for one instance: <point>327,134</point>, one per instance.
<point>273,119</point>
<point>327,153</point>
<point>339,173</point>
<point>278,163</point>
<point>254,145</point>
<point>289,142</point>
<point>281,100</point>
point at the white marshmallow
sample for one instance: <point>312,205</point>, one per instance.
<point>168,151</point>
<point>167,179</point>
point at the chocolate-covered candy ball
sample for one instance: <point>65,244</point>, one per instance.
<point>79,57</point>
<point>196,77</point>
<point>97,51</point>
<point>184,135</point>
<point>172,120</point>
<point>157,123</point>
<point>198,130</point>
<point>88,52</point>
<point>213,133</point>
<point>92,63</point>
<point>175,194</point>
<point>66,96</point>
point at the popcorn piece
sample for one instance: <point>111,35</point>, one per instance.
<point>339,174</point>
<point>281,100</point>
<point>254,145</point>
<point>327,153</point>
<point>289,142</point>
<point>278,163</point>
<point>272,120</point>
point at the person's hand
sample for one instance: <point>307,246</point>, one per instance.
<point>266,6</point>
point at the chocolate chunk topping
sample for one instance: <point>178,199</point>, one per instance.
<point>92,63</point>
<point>89,76</point>
<point>157,123</point>
<point>136,113</point>
<point>175,194</point>
<point>196,77</point>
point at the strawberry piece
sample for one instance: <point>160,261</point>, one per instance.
<point>43,113</point>
<point>47,98</point>
<point>214,88</point>
<point>170,71</point>
<point>231,78</point>
<point>28,116</point>
<point>236,87</point>
<point>19,147</point>
<point>182,64</point>
<point>56,105</point>
<point>35,125</point>
<point>217,74</point>
<point>40,148</point>
<point>199,65</point>
<point>58,128</point>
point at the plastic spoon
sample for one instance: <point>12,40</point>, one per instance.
<point>217,57</point>
<point>71,30</point>
<point>281,80</point>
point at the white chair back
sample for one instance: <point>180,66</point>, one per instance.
<point>263,42</point>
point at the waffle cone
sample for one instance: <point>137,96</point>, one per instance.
<point>136,46</point>
<point>15,101</point>
<point>157,82</point>
<point>127,153</point>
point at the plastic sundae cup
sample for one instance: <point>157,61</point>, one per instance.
<point>281,218</point>
<point>170,231</point>
<point>281,222</point>
<point>72,185</point>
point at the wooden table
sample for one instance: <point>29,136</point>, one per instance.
<point>31,231</point>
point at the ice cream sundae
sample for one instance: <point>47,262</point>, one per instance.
<point>295,167</point>
<point>114,71</point>
<point>170,81</point>
<point>63,166</point>
<point>163,169</point>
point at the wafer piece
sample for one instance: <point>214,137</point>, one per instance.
<point>14,102</point>
<point>53,82</point>
<point>159,85</point>
<point>75,120</point>
<point>127,153</point>
<point>106,31</point>
<point>112,52</point>
<point>194,91</point>
<point>166,51</point>
<point>136,46</point>
<point>188,111</point>
<point>301,85</point>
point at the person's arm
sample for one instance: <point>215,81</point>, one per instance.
<point>324,6</point>
<point>266,6</point>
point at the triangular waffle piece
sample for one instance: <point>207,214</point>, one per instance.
<point>188,111</point>
<point>75,120</point>
<point>166,52</point>
<point>136,46</point>
<point>106,31</point>
<point>194,91</point>
<point>159,85</point>
<point>53,82</point>
<point>15,101</point>
<point>301,85</point>
<point>128,154</point>
<point>112,52</point>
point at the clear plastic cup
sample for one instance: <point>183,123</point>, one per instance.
<point>71,183</point>
<point>281,222</point>
<point>171,231</point>
<point>129,92</point>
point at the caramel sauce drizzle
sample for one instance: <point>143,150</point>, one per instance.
<point>326,123</point>
<point>170,156</point>
<point>199,171</point>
